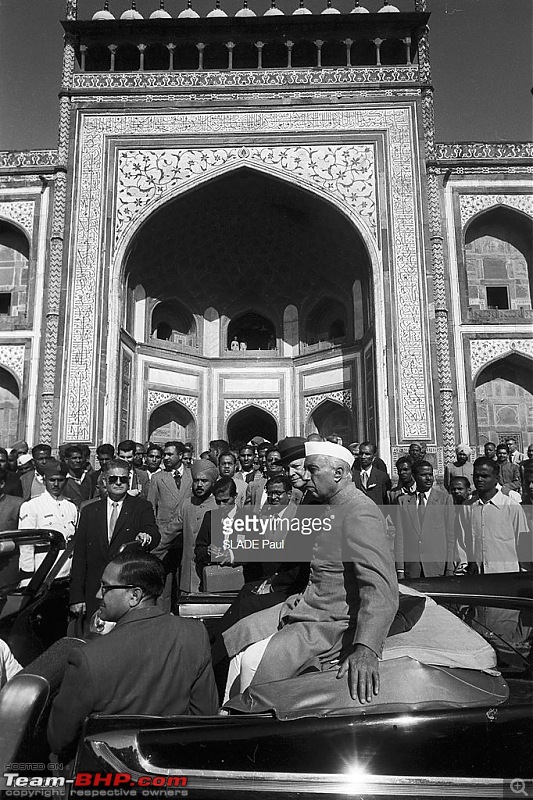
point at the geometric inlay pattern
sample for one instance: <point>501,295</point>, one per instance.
<point>473,203</point>
<point>342,396</point>
<point>160,398</point>
<point>12,357</point>
<point>270,404</point>
<point>20,211</point>
<point>148,177</point>
<point>245,78</point>
<point>95,192</point>
<point>486,350</point>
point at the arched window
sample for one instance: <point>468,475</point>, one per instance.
<point>326,323</point>
<point>172,322</point>
<point>14,253</point>
<point>251,331</point>
<point>498,256</point>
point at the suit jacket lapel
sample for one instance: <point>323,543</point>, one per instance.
<point>171,485</point>
<point>101,525</point>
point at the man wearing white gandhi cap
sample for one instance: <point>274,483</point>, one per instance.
<point>348,606</point>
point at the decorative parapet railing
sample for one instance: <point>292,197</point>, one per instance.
<point>28,160</point>
<point>379,41</point>
<point>484,151</point>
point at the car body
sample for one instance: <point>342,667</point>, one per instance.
<point>34,615</point>
<point>432,732</point>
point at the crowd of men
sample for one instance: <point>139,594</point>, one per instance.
<point>140,530</point>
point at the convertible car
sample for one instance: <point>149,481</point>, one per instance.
<point>433,731</point>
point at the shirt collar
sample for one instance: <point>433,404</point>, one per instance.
<point>498,500</point>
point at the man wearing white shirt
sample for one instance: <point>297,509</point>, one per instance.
<point>492,524</point>
<point>48,510</point>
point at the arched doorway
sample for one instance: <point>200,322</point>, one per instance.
<point>171,421</point>
<point>9,407</point>
<point>331,418</point>
<point>250,422</point>
<point>264,245</point>
<point>504,400</point>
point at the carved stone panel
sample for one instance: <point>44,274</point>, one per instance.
<point>21,212</point>
<point>270,404</point>
<point>159,398</point>
<point>148,178</point>
<point>342,396</point>
<point>472,204</point>
<point>484,351</point>
<point>12,357</point>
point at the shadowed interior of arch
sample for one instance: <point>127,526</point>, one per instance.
<point>246,241</point>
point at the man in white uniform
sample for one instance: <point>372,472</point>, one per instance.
<point>48,510</point>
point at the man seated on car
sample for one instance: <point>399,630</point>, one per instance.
<point>151,662</point>
<point>349,603</point>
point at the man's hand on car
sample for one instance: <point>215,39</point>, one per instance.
<point>362,668</point>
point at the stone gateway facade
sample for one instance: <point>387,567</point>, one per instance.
<point>249,229</point>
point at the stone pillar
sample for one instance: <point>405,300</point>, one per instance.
<point>52,357</point>
<point>437,258</point>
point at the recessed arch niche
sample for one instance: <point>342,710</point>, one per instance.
<point>253,330</point>
<point>9,407</point>
<point>327,323</point>
<point>498,258</point>
<point>330,418</point>
<point>171,421</point>
<point>249,422</point>
<point>504,399</point>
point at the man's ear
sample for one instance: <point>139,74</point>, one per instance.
<point>136,597</point>
<point>338,473</point>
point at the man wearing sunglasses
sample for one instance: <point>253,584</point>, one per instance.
<point>150,663</point>
<point>104,527</point>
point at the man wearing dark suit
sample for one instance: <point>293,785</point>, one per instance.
<point>79,486</point>
<point>370,480</point>
<point>425,537</point>
<point>138,479</point>
<point>32,481</point>
<point>151,663</point>
<point>104,527</point>
<point>12,486</point>
<point>255,491</point>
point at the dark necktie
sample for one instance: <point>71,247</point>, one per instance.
<point>177,479</point>
<point>421,507</point>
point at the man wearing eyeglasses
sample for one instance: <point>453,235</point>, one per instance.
<point>104,527</point>
<point>150,663</point>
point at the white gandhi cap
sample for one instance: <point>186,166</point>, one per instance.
<point>329,449</point>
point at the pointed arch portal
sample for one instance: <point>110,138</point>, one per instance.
<point>504,400</point>
<point>250,422</point>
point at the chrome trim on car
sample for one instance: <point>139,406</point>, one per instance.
<point>306,782</point>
